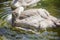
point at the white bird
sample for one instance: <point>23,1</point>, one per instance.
<point>46,23</point>
<point>37,17</point>
<point>34,17</point>
<point>18,3</point>
<point>18,11</point>
<point>31,12</point>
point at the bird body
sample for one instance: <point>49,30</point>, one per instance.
<point>33,17</point>
<point>37,17</point>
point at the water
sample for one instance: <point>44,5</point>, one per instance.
<point>11,33</point>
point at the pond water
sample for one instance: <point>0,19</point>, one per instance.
<point>11,33</point>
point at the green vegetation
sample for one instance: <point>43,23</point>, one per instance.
<point>53,6</point>
<point>1,38</point>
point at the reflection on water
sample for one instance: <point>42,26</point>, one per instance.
<point>9,34</point>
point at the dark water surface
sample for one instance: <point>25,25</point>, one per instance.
<point>11,33</point>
